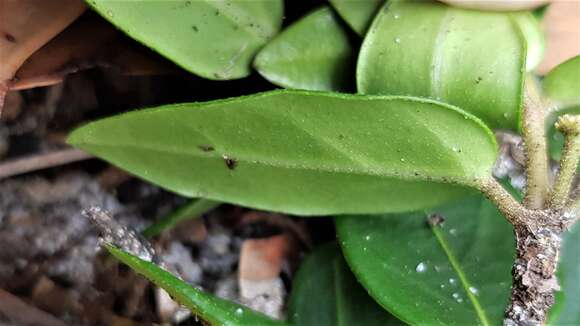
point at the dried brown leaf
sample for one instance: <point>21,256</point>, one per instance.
<point>25,26</point>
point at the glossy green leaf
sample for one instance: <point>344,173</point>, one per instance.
<point>212,309</point>
<point>305,153</point>
<point>195,208</point>
<point>358,14</point>
<point>325,293</point>
<point>534,37</point>
<point>562,84</point>
<point>314,54</point>
<point>456,273</point>
<point>213,39</point>
<point>567,310</point>
<point>472,59</point>
<point>555,137</point>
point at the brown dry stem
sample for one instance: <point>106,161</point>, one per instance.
<point>41,161</point>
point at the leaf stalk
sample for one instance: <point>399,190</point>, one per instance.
<point>569,125</point>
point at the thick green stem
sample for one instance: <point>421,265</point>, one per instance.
<point>533,129</point>
<point>570,126</point>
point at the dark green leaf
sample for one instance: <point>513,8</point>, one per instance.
<point>358,14</point>
<point>214,310</point>
<point>472,59</point>
<point>325,293</point>
<point>305,153</point>
<point>455,273</point>
<point>567,310</point>
<point>195,208</point>
<point>213,39</point>
<point>313,53</point>
<point>562,84</point>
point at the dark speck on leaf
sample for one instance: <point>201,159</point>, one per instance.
<point>217,12</point>
<point>10,38</point>
<point>194,28</point>
<point>478,80</point>
<point>435,219</point>
<point>341,136</point>
<point>188,3</point>
<point>206,148</point>
<point>231,162</point>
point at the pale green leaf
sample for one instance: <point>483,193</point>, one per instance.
<point>472,59</point>
<point>562,84</point>
<point>305,153</point>
<point>313,54</point>
<point>358,14</point>
<point>534,37</point>
<point>213,39</point>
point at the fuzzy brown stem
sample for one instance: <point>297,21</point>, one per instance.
<point>534,279</point>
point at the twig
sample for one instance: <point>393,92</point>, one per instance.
<point>533,131</point>
<point>503,200</point>
<point>41,161</point>
<point>569,125</point>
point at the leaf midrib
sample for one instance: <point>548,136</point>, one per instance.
<point>461,275</point>
<point>467,181</point>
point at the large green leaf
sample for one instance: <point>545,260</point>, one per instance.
<point>313,53</point>
<point>210,38</point>
<point>299,152</point>
<point>325,293</point>
<point>472,59</point>
<point>562,84</point>
<point>212,309</point>
<point>358,14</point>
<point>455,273</point>
<point>567,310</point>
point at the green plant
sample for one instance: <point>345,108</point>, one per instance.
<point>435,252</point>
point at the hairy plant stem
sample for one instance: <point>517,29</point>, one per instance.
<point>544,216</point>
<point>570,126</point>
<point>538,242</point>
<point>533,131</point>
